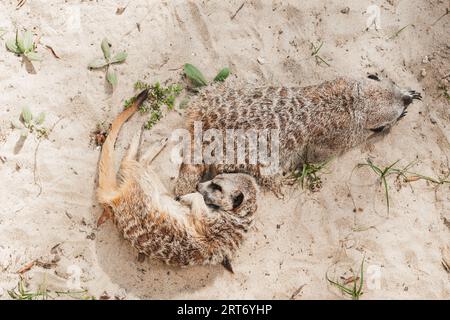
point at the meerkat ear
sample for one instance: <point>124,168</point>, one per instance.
<point>237,200</point>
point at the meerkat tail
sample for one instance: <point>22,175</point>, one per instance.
<point>107,176</point>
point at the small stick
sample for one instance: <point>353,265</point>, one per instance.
<point>237,11</point>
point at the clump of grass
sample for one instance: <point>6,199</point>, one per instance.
<point>404,172</point>
<point>30,124</point>
<point>24,45</point>
<point>309,176</point>
<point>22,293</point>
<point>354,291</point>
<point>198,80</point>
<point>158,97</point>
<point>315,54</point>
<point>107,61</point>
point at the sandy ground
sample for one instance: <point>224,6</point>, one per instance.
<point>48,209</point>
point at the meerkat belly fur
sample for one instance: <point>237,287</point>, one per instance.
<point>313,122</point>
<point>204,227</point>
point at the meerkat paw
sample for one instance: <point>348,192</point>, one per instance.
<point>106,215</point>
<point>195,201</point>
<point>274,185</point>
<point>188,179</point>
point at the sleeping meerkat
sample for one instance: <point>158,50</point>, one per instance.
<point>312,122</point>
<point>204,227</point>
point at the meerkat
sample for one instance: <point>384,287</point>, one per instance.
<point>204,227</point>
<point>313,122</point>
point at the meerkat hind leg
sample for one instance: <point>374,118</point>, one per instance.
<point>154,150</point>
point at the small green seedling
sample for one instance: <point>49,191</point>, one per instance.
<point>355,292</point>
<point>107,61</point>
<point>24,45</point>
<point>21,293</point>
<point>308,176</point>
<point>197,78</point>
<point>408,176</point>
<point>29,124</point>
<point>315,54</point>
<point>158,96</point>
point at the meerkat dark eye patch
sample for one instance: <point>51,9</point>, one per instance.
<point>379,129</point>
<point>237,200</point>
<point>216,187</point>
<point>373,77</point>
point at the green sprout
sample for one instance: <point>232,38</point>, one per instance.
<point>107,61</point>
<point>29,124</point>
<point>24,45</point>
<point>315,54</point>
<point>355,291</point>
<point>198,80</point>
<point>308,175</point>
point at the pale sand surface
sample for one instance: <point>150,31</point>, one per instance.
<point>295,241</point>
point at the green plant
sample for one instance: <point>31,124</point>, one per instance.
<point>21,293</point>
<point>24,45</point>
<point>398,32</point>
<point>197,78</point>
<point>355,291</point>
<point>308,175</point>
<point>158,96</point>
<point>29,124</point>
<point>315,53</point>
<point>404,172</point>
<point>107,61</point>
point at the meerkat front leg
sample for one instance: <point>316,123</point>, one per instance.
<point>189,177</point>
<point>196,202</point>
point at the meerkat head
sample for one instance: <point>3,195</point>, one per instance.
<point>232,192</point>
<point>384,103</point>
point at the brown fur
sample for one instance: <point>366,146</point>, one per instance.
<point>314,122</point>
<point>185,232</point>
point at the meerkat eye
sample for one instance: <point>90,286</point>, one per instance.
<point>373,77</point>
<point>237,200</point>
<point>379,129</point>
<point>216,187</point>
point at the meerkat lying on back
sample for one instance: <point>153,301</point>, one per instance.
<point>326,119</point>
<point>204,227</point>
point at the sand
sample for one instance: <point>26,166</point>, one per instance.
<point>48,209</point>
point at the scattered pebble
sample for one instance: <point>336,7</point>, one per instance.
<point>425,59</point>
<point>346,10</point>
<point>260,60</point>
<point>423,73</point>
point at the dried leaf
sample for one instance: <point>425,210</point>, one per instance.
<point>16,124</point>
<point>120,10</point>
<point>412,178</point>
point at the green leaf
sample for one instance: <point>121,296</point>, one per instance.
<point>222,75</point>
<point>27,116</point>
<point>28,44</point>
<point>98,63</point>
<point>119,57</point>
<point>11,45</point>
<point>33,56</point>
<point>40,118</point>
<point>19,41</point>
<point>24,132</point>
<point>111,77</point>
<point>195,75</point>
<point>106,48</point>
